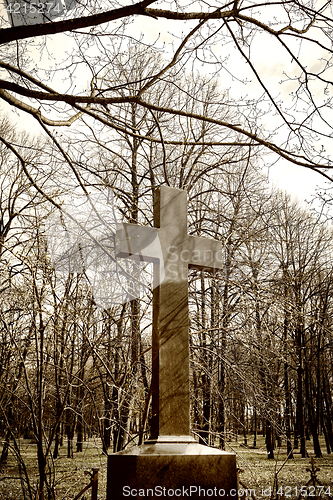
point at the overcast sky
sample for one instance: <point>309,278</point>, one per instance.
<point>298,181</point>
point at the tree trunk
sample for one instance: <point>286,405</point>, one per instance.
<point>56,445</point>
<point>313,413</point>
<point>196,413</point>
<point>269,440</point>
<point>300,409</point>
<point>287,414</point>
<point>286,326</point>
<point>327,440</point>
<point>79,432</point>
<point>205,378</point>
<point>255,429</point>
<point>121,429</point>
<point>59,350</point>
<point>299,335</point>
<point>107,424</point>
<point>70,437</point>
<point>5,448</point>
<point>222,352</point>
<point>327,417</point>
<point>262,372</point>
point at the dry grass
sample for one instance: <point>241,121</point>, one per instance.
<point>70,477</point>
<point>258,472</point>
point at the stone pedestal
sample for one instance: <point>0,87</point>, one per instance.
<point>169,468</point>
<point>172,464</point>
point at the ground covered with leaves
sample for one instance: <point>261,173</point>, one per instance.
<point>259,477</point>
<point>282,478</point>
<point>70,477</point>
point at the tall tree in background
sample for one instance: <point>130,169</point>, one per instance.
<point>225,42</point>
<point>260,330</point>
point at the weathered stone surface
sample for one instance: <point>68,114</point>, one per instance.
<point>171,463</point>
<point>166,470</point>
<point>173,252</point>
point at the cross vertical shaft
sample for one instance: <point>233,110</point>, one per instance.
<point>175,252</point>
<point>170,379</point>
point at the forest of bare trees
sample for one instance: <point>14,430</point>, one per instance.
<point>116,116</point>
<point>261,334</point>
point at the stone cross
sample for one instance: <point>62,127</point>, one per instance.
<point>173,252</point>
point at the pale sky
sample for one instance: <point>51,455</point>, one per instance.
<point>298,181</point>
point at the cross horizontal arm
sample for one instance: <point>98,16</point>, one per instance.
<point>138,242</point>
<point>203,254</point>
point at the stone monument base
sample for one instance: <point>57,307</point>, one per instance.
<point>171,467</point>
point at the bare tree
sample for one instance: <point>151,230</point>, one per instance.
<point>212,39</point>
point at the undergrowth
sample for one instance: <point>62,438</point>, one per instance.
<point>280,478</point>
